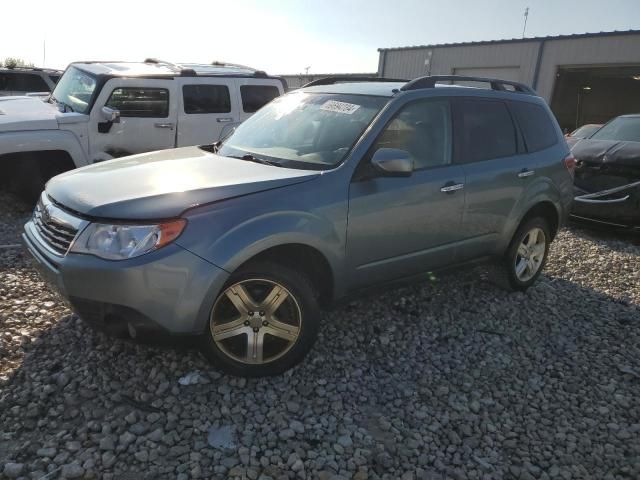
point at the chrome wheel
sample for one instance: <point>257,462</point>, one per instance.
<point>530,254</point>
<point>255,321</point>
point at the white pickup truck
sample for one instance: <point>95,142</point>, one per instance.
<point>104,110</point>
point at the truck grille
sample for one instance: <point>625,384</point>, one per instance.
<point>48,222</point>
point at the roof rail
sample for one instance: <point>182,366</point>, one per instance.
<point>496,84</point>
<point>347,79</point>
<point>185,72</point>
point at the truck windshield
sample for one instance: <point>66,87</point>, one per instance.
<point>74,90</point>
<point>304,130</point>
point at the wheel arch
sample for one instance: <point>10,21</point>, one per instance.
<point>304,258</point>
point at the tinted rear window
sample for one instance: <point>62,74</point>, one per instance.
<point>485,131</point>
<point>536,126</point>
<point>206,99</point>
<point>254,97</point>
<point>25,82</point>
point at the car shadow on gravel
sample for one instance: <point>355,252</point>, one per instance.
<point>444,378</point>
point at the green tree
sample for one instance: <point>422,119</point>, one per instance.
<point>13,62</point>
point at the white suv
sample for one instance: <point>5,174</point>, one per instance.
<point>24,80</point>
<point>104,110</point>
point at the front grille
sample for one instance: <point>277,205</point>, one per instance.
<point>57,234</point>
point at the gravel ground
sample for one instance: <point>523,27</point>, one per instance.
<point>455,378</point>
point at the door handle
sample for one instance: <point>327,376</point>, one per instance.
<point>224,120</point>
<point>526,173</point>
<point>451,187</point>
<point>163,125</point>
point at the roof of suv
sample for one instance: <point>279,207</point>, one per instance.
<point>390,87</point>
<point>48,71</point>
<point>159,68</point>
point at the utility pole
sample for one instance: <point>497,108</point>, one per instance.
<point>306,71</point>
<point>44,51</point>
<point>526,16</point>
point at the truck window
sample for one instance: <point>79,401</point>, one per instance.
<point>206,99</point>
<point>140,102</point>
<point>27,82</point>
<point>254,97</point>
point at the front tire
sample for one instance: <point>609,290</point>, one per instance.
<point>264,321</point>
<point>527,253</point>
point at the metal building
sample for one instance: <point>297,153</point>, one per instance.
<point>586,78</point>
<point>296,81</point>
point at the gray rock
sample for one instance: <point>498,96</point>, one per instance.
<point>13,470</point>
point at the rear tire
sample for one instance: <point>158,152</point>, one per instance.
<point>527,253</point>
<point>264,321</point>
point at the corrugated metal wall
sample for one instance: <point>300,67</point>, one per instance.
<point>444,60</point>
<point>619,49</point>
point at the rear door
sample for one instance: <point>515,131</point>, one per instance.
<point>208,107</point>
<point>490,150</point>
<point>148,116</point>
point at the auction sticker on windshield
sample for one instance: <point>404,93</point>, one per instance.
<point>339,107</point>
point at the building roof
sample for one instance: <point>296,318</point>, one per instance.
<point>516,40</point>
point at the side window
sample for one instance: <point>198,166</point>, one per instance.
<point>485,130</point>
<point>4,81</point>
<point>206,99</point>
<point>254,97</point>
<point>423,129</point>
<point>536,125</point>
<point>29,82</point>
<point>54,78</point>
<point>140,102</point>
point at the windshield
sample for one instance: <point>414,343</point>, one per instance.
<point>585,131</point>
<point>304,130</point>
<point>74,90</point>
<point>622,129</point>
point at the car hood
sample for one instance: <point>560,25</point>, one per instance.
<point>164,184</point>
<point>27,113</point>
<point>610,152</point>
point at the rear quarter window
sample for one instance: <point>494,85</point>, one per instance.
<point>535,124</point>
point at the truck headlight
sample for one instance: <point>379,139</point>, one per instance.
<point>119,242</point>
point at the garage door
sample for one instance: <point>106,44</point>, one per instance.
<point>503,73</point>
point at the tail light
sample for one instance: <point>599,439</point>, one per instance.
<point>570,162</point>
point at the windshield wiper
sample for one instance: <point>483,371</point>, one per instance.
<point>64,105</point>
<point>251,158</point>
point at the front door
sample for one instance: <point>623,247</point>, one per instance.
<point>148,116</point>
<point>400,226</point>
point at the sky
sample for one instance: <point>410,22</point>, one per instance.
<point>285,36</point>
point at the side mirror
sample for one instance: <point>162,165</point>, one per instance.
<point>111,115</point>
<point>392,162</point>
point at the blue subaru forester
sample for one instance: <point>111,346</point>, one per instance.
<point>326,191</point>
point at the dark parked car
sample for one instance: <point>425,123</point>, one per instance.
<point>607,182</point>
<point>584,131</point>
<point>325,191</point>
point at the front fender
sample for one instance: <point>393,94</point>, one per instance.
<point>43,140</point>
<point>231,232</point>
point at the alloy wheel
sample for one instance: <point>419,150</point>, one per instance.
<point>255,321</point>
<point>530,254</point>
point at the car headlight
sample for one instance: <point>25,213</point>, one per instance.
<point>119,242</point>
